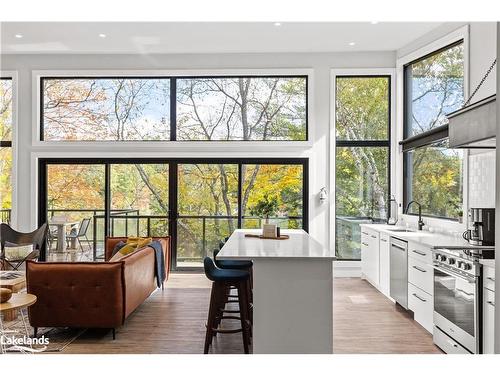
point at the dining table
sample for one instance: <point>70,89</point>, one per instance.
<point>62,224</point>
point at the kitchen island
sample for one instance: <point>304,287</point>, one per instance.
<point>292,291</point>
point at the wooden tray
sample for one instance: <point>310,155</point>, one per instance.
<point>282,237</point>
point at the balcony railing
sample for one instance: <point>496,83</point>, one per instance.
<point>5,215</point>
<point>206,230</point>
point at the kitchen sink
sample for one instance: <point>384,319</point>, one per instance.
<point>401,230</point>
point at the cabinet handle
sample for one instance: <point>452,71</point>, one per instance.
<point>419,269</point>
<point>383,240</point>
<point>364,244</point>
<point>420,298</point>
<point>374,236</point>
<point>419,252</point>
<point>452,344</point>
<point>490,303</point>
<point>491,278</point>
<point>364,233</point>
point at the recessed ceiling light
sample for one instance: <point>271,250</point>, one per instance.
<point>102,35</point>
<point>374,22</point>
<point>277,24</point>
<point>352,43</point>
<point>18,36</point>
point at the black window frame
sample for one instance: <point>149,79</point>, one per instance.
<point>173,104</point>
<point>8,144</point>
<point>4,143</point>
<point>424,139</point>
<point>173,214</point>
<point>386,143</point>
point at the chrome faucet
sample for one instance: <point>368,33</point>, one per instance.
<point>420,222</point>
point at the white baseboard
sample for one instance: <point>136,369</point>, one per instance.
<point>347,269</point>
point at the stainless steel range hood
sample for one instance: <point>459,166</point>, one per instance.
<point>474,126</point>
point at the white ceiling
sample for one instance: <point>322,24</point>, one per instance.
<point>216,37</point>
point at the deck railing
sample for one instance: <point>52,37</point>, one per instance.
<point>125,223</point>
<point>5,215</point>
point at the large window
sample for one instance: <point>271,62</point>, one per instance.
<point>240,108</point>
<point>5,149</point>
<point>362,163</point>
<point>197,202</point>
<point>434,87</point>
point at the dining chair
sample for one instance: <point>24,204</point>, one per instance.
<point>80,233</point>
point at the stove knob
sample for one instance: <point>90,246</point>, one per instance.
<point>451,261</point>
<point>438,256</point>
<point>459,264</point>
<point>443,258</point>
<point>466,266</point>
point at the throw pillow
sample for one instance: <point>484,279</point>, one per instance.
<point>133,244</point>
<point>117,247</point>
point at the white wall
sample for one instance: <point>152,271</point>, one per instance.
<point>320,63</point>
<point>480,183</point>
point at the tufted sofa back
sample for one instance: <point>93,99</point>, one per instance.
<point>76,294</point>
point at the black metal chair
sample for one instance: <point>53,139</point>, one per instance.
<point>37,239</point>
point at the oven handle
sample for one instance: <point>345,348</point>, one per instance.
<point>464,292</point>
<point>470,280</point>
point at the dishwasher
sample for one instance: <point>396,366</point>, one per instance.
<point>399,271</point>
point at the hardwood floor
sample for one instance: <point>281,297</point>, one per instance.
<point>173,321</point>
<point>367,322</point>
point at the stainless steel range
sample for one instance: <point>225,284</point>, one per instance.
<point>457,298</point>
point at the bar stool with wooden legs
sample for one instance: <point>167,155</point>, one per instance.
<point>245,265</point>
<point>222,281</point>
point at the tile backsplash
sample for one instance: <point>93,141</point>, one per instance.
<point>482,179</point>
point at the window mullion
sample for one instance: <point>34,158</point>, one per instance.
<point>173,109</point>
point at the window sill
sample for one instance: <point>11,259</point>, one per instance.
<point>177,145</point>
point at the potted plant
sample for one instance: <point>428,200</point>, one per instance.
<point>265,207</point>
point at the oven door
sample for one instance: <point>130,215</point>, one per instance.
<point>456,307</point>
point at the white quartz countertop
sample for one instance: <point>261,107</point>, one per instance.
<point>431,239</point>
<point>300,245</point>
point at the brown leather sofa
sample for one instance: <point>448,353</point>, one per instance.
<point>92,294</point>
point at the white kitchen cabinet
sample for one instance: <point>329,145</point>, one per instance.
<point>365,243</point>
<point>385,264</point>
<point>420,274</point>
<point>489,277</point>
<point>370,256</point>
<point>421,284</point>
<point>489,310</point>
<point>420,252</point>
<point>422,305</point>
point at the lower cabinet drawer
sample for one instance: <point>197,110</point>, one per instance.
<point>488,321</point>
<point>420,252</point>
<point>421,274</point>
<point>448,345</point>
<point>489,278</point>
<point>422,305</point>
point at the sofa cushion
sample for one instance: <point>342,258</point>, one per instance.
<point>132,245</point>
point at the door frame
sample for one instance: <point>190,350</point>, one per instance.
<point>173,187</point>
